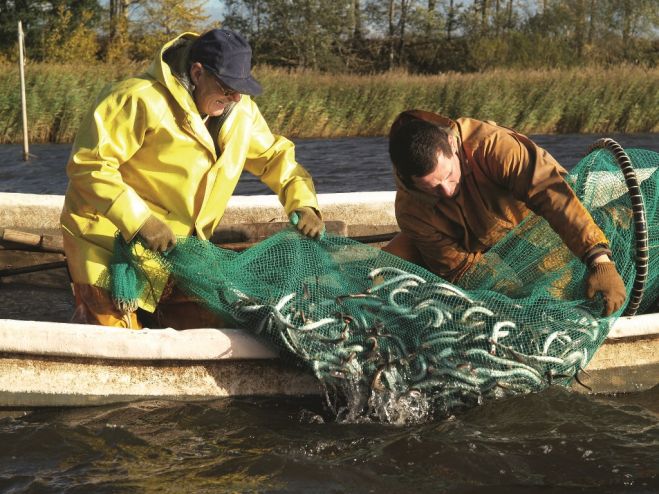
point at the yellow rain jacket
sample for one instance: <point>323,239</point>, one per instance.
<point>144,149</point>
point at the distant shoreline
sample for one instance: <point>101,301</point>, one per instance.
<point>306,104</point>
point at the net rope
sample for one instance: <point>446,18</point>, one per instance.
<point>383,335</point>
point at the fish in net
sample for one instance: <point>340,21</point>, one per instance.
<point>384,336</point>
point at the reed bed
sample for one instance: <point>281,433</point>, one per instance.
<point>311,104</point>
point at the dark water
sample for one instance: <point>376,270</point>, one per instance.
<point>337,165</point>
<point>552,442</point>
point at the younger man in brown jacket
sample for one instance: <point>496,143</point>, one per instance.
<point>464,184</point>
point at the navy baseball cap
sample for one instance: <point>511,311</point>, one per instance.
<point>228,56</point>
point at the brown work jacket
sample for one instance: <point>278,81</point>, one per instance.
<point>505,175</point>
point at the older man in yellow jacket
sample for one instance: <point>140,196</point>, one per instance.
<point>464,184</point>
<point>159,156</point>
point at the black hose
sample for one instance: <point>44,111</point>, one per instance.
<point>640,223</point>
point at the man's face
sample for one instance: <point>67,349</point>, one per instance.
<point>444,180</point>
<point>210,95</point>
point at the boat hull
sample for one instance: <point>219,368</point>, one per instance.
<point>30,380</point>
<point>46,363</point>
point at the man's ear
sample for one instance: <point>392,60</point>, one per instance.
<point>196,70</point>
<point>453,142</point>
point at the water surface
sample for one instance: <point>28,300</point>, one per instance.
<point>337,165</point>
<point>552,442</point>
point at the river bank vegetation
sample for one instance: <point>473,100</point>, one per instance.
<point>306,103</point>
<point>346,67</point>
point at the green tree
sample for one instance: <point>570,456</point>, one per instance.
<point>441,35</point>
<point>11,12</point>
<point>305,33</point>
<point>68,39</point>
<point>158,21</point>
<point>390,21</point>
<point>632,28</point>
<point>37,18</point>
<point>116,46</point>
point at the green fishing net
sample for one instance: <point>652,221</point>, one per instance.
<point>379,332</point>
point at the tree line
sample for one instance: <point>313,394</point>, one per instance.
<point>351,36</point>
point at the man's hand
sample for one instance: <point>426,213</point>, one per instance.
<point>307,221</point>
<point>603,277</point>
<point>157,235</point>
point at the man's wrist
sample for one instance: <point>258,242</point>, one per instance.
<point>598,259</point>
<point>598,254</point>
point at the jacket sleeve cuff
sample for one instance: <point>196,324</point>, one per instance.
<point>298,195</point>
<point>128,213</point>
<point>596,251</point>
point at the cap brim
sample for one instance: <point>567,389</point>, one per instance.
<point>248,85</point>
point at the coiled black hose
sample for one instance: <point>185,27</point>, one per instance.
<point>640,223</point>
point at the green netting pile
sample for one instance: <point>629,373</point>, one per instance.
<point>380,333</point>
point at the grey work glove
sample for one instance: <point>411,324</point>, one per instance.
<point>604,278</point>
<point>157,235</point>
<point>308,222</point>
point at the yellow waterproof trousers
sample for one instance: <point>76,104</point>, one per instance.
<point>93,305</point>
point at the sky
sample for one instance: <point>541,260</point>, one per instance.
<point>214,9</point>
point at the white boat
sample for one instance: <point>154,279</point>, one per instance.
<point>44,363</point>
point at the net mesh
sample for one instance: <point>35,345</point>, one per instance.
<point>379,332</point>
